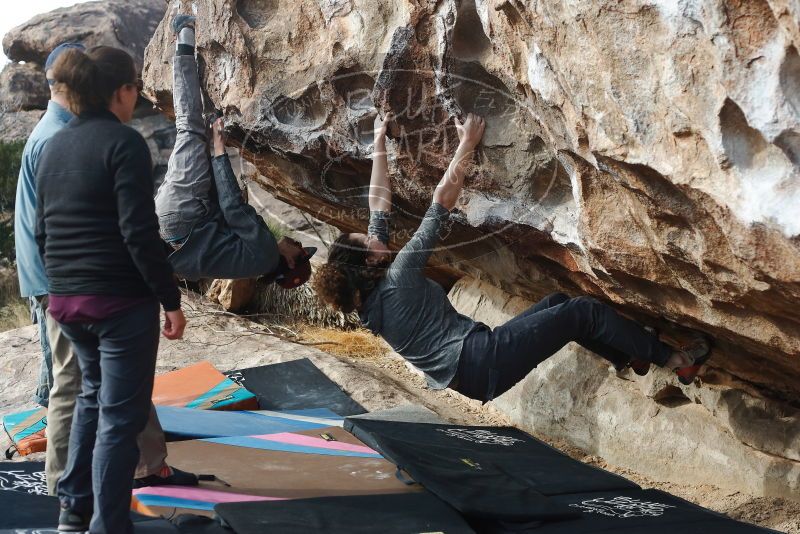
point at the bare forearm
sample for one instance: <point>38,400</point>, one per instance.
<point>449,188</point>
<point>380,187</point>
<point>219,147</point>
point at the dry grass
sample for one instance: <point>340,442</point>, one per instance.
<point>357,343</point>
<point>297,306</point>
<point>13,315</point>
<point>14,310</point>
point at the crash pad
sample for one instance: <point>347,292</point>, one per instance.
<point>404,513</point>
<point>495,472</point>
<point>199,386</point>
<point>319,462</point>
<point>198,524</point>
<point>633,512</point>
<point>203,387</point>
<point>24,512</point>
<point>296,384</point>
<point>187,423</point>
<point>26,431</point>
<point>25,477</point>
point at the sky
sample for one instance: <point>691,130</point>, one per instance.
<point>15,12</point>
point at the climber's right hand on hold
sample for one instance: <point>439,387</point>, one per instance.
<point>174,324</point>
<point>470,132</point>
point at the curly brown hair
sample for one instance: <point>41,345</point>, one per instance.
<point>346,280</point>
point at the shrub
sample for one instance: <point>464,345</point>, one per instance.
<point>10,159</point>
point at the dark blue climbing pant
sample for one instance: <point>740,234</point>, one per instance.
<point>117,357</point>
<point>492,361</point>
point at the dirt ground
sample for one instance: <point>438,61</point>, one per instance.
<point>368,372</point>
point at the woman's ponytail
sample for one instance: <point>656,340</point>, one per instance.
<point>90,78</point>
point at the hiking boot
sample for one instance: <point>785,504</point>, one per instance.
<point>697,352</point>
<point>169,476</point>
<point>71,521</point>
<point>180,22</point>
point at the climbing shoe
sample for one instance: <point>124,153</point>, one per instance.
<point>180,22</point>
<point>698,352</point>
<point>169,476</point>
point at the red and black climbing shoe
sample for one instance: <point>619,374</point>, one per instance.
<point>640,367</point>
<point>697,352</point>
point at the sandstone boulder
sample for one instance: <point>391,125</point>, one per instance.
<point>232,295</point>
<point>18,125</point>
<point>126,24</point>
<point>23,87</point>
<point>642,152</point>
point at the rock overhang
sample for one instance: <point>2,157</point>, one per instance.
<point>626,155</point>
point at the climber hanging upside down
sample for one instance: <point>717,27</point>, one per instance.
<point>412,313</point>
<point>201,213</point>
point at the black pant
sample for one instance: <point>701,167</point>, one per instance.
<point>117,357</point>
<point>492,361</point>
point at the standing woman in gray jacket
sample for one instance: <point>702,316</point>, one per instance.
<point>108,275</point>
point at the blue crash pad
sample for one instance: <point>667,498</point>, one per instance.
<point>187,423</point>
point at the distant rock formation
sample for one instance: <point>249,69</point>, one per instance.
<point>126,24</point>
<point>23,87</point>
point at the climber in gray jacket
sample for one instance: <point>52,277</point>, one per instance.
<point>396,301</point>
<point>220,237</point>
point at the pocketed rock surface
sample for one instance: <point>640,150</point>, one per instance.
<point>375,382</point>
<point>643,152</point>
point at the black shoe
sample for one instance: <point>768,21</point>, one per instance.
<point>71,521</point>
<point>180,22</point>
<point>177,478</point>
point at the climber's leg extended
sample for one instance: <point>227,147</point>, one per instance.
<point>493,361</point>
<point>618,358</point>
<point>184,197</point>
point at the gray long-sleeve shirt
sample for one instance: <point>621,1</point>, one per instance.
<point>232,242</point>
<point>413,314</point>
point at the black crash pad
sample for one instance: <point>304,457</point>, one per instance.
<point>26,477</point>
<point>199,524</point>
<point>27,511</point>
<point>295,385</point>
<point>24,512</point>
<point>632,512</point>
<point>492,472</point>
<point>388,514</point>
